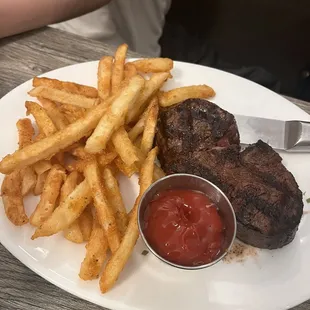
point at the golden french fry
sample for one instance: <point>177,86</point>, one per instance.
<point>129,70</point>
<point>106,158</point>
<point>118,68</point>
<point>96,252</point>
<point>70,87</point>
<point>138,128</point>
<point>118,260</point>
<point>63,96</point>
<point>13,200</point>
<point>29,180</point>
<point>104,212</point>
<point>50,193</point>
<point>115,199</point>
<point>124,147</point>
<point>86,223</point>
<point>43,121</point>
<point>50,145</point>
<point>25,132</point>
<point>40,183</point>
<point>147,65</point>
<point>71,112</point>
<point>104,77</point>
<point>177,95</point>
<point>67,212</point>
<point>54,113</point>
<point>42,166</point>
<point>150,128</point>
<point>151,87</point>
<point>115,115</point>
<point>73,232</point>
<point>126,170</point>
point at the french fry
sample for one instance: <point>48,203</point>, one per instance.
<point>25,132</point>
<point>118,260</point>
<point>148,65</point>
<point>54,113</point>
<point>104,77</point>
<point>150,128</point>
<point>50,145</point>
<point>86,223</point>
<point>118,68</point>
<point>71,112</point>
<point>13,200</point>
<point>137,142</point>
<point>114,117</point>
<point>43,121</point>
<point>126,170</point>
<point>129,70</point>
<point>70,87</point>
<point>67,212</point>
<point>50,193</point>
<point>63,96</point>
<point>104,212</point>
<point>138,128</point>
<point>151,87</point>
<point>40,183</point>
<point>73,232</point>
<point>29,180</point>
<point>106,158</point>
<point>96,252</point>
<point>177,95</point>
<point>124,147</point>
<point>42,166</point>
<point>115,199</point>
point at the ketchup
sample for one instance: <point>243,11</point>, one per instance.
<point>184,227</point>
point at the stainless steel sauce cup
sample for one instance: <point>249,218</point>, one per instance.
<point>191,182</point>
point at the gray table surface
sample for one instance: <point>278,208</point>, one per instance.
<point>21,58</point>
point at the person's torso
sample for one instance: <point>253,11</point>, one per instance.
<point>138,23</point>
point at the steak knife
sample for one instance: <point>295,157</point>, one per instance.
<point>292,136</point>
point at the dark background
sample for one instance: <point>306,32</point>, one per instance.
<point>265,41</point>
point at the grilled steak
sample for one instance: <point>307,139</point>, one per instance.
<point>198,137</point>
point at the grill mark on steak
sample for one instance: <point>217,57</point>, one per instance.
<point>264,194</point>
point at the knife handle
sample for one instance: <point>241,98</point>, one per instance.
<point>298,136</point>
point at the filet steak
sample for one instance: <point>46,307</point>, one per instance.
<point>198,137</point>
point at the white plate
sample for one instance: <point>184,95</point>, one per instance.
<point>273,280</point>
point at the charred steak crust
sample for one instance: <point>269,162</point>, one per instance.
<point>198,137</point>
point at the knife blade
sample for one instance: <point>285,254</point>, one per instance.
<point>293,136</point>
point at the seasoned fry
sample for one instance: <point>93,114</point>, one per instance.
<point>124,146</point>
<point>70,87</point>
<point>126,170</point>
<point>118,260</point>
<point>71,112</point>
<point>118,68</point>
<point>151,87</point>
<point>129,70</point>
<point>63,96</point>
<point>40,183</point>
<point>115,115</point>
<point>73,232</point>
<point>50,193</point>
<point>50,145</point>
<point>104,77</point>
<point>148,65</point>
<point>138,128</point>
<point>86,223</point>
<point>150,128</point>
<point>25,132</point>
<point>54,113</point>
<point>13,200</point>
<point>106,158</point>
<point>177,95</point>
<point>104,212</point>
<point>42,166</point>
<point>67,212</point>
<point>29,180</point>
<point>115,199</point>
<point>96,252</point>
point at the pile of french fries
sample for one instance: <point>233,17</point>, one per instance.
<point>85,137</point>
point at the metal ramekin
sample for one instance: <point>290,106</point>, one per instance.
<point>192,182</point>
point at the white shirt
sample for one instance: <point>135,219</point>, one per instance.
<point>139,23</point>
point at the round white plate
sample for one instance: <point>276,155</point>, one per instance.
<point>276,279</point>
